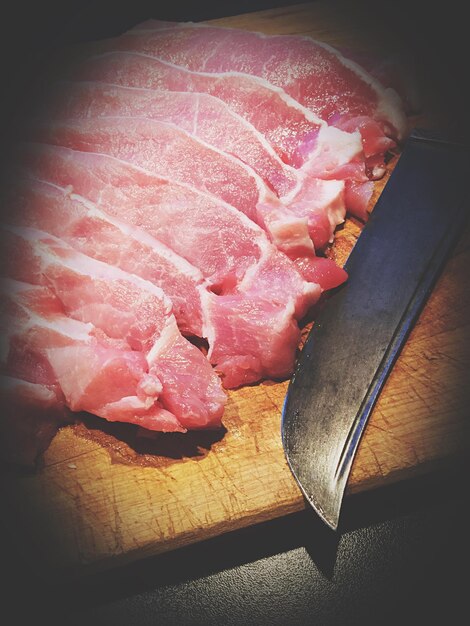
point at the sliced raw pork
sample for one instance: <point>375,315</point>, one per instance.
<point>199,114</point>
<point>132,311</point>
<point>231,251</point>
<point>209,119</point>
<point>44,346</point>
<point>299,137</point>
<point>166,150</point>
<point>34,203</point>
<point>216,238</point>
<point>315,74</point>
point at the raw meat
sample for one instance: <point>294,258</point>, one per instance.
<point>268,346</point>
<point>270,285</point>
<point>336,89</point>
<point>166,150</point>
<point>212,235</point>
<point>203,116</point>
<point>298,136</point>
<point>38,204</point>
<point>131,311</point>
<point>199,114</point>
<point>231,251</point>
<point>35,203</point>
<point>395,70</point>
<point>44,346</point>
<point>187,176</point>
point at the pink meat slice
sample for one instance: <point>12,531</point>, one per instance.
<point>130,310</point>
<point>201,230</point>
<point>38,204</point>
<point>216,238</point>
<point>261,353</point>
<point>268,345</point>
<point>199,114</point>
<point>166,150</point>
<point>95,292</point>
<point>204,117</point>
<point>299,137</point>
<point>123,306</point>
<point>31,415</point>
<point>318,76</point>
<point>95,374</point>
<point>34,203</point>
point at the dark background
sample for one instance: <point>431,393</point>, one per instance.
<point>401,555</point>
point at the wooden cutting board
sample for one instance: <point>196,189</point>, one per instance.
<point>104,497</point>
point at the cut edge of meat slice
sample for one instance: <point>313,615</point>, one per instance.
<point>396,70</point>
<point>390,105</point>
<point>110,289</point>
<point>322,204</point>
<point>266,353</point>
<point>264,307</point>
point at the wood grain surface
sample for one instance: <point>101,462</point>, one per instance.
<point>104,496</point>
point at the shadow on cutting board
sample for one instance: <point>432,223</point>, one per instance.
<point>126,443</point>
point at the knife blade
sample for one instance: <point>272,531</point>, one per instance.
<point>357,336</point>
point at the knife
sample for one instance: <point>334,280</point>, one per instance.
<point>358,334</point>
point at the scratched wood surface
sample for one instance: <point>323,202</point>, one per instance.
<point>104,497</point>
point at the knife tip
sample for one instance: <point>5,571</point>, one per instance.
<point>330,518</point>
